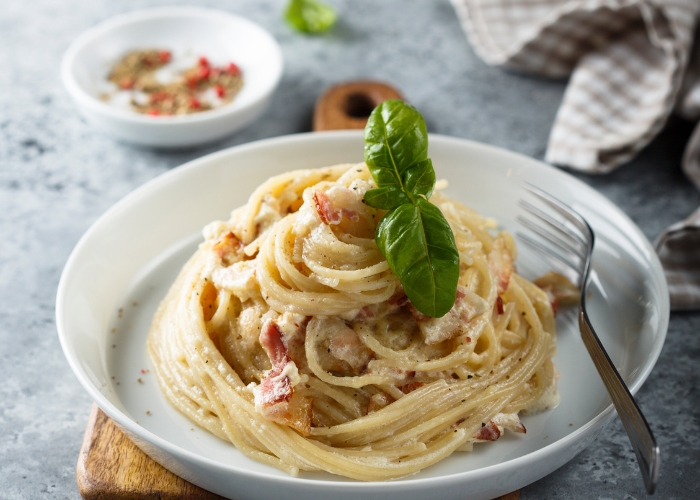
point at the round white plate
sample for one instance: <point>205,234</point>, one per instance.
<point>124,264</point>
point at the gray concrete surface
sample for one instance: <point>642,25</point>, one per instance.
<point>57,176</point>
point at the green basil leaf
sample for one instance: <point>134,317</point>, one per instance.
<point>417,242</point>
<point>310,16</point>
<point>386,197</point>
<point>414,236</point>
<point>419,179</point>
<point>396,138</point>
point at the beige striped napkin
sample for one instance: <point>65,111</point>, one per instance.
<point>679,250</point>
<point>628,65</point>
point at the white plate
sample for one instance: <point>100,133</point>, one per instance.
<point>122,267</point>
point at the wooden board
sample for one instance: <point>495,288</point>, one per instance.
<point>110,466</point>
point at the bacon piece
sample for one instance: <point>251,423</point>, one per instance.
<point>271,341</point>
<point>411,386</point>
<point>239,278</point>
<point>229,249</point>
<point>274,396</point>
<point>346,346</point>
<point>301,414</point>
<point>296,413</point>
<point>399,298</point>
<point>293,328</point>
<point>275,387</point>
<point>325,209</point>
<point>510,421</point>
<point>379,401</point>
<point>341,351</point>
<point>488,432</point>
<point>328,213</point>
<point>560,290</point>
<point>501,263</point>
<point>494,428</point>
<point>367,312</point>
<point>467,306</point>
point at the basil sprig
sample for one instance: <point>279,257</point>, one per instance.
<point>310,16</point>
<point>414,236</point>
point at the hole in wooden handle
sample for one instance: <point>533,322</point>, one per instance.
<point>348,105</point>
<point>359,105</point>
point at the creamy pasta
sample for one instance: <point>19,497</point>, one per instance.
<point>288,335</point>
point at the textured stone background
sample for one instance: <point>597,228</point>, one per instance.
<point>57,176</point>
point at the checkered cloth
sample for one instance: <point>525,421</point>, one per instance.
<point>679,250</point>
<point>629,67</point>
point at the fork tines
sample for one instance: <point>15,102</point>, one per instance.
<point>556,232</point>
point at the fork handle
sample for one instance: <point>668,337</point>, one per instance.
<point>633,420</point>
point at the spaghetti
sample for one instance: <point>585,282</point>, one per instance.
<point>288,335</point>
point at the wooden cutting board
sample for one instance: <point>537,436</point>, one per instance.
<point>110,466</point>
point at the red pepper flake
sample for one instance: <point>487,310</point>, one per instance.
<point>153,112</point>
<point>164,56</point>
<point>499,305</point>
<point>126,83</point>
<point>194,103</point>
<point>220,90</point>
<point>204,72</point>
<point>233,69</point>
<point>203,61</point>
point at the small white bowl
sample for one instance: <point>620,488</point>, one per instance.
<point>220,36</point>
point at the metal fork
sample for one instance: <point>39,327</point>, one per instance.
<point>563,235</point>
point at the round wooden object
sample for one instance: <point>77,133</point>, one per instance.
<point>348,105</point>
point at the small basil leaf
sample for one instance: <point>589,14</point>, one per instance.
<point>395,139</point>
<point>386,197</point>
<point>310,16</point>
<point>419,179</point>
<point>417,242</point>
